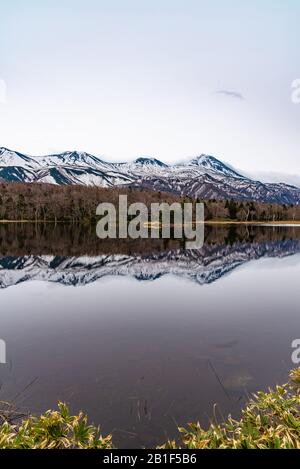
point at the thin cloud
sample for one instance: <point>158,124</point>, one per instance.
<point>231,94</point>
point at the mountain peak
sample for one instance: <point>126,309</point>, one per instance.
<point>146,161</point>
<point>202,158</point>
<point>14,158</point>
<point>209,162</point>
<point>70,158</point>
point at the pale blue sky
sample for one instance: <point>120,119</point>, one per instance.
<point>124,78</point>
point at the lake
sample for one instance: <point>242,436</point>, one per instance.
<point>145,335</point>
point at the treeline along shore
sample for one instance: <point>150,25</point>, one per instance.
<point>77,204</point>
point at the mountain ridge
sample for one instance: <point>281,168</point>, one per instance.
<point>203,176</point>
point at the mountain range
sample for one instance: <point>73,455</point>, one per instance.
<point>203,177</point>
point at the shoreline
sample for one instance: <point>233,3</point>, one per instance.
<point>207,222</point>
<point>259,223</point>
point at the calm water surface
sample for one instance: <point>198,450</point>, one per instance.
<point>145,336</point>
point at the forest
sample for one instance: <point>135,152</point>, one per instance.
<point>77,204</point>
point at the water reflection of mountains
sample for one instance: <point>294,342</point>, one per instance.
<point>73,255</point>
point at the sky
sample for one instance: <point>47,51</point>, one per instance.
<point>169,79</point>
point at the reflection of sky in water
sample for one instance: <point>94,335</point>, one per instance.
<point>138,356</point>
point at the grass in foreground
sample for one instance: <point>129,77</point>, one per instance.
<point>270,420</point>
<point>54,429</point>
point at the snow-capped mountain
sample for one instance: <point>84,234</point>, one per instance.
<point>202,266</point>
<point>202,177</point>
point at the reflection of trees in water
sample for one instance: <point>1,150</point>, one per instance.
<point>17,239</point>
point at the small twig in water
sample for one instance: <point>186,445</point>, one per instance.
<point>219,380</point>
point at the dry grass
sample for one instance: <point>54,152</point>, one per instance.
<point>270,421</point>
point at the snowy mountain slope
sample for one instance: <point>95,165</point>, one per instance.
<point>210,163</point>
<point>10,158</point>
<point>203,266</point>
<point>202,177</point>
